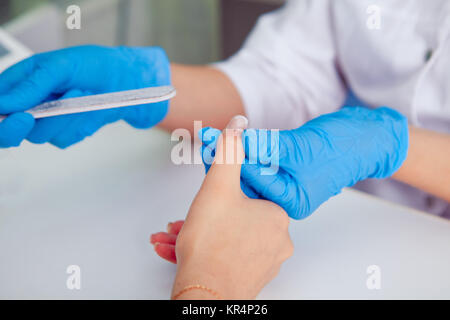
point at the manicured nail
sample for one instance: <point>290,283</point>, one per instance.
<point>238,123</point>
<point>152,238</point>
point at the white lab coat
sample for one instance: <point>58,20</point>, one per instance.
<point>301,60</point>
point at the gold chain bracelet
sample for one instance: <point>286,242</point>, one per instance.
<point>196,287</point>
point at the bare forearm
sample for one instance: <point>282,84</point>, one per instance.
<point>203,93</point>
<point>427,166</point>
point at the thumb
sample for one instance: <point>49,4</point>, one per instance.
<point>226,168</point>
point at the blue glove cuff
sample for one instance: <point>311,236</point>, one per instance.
<point>396,125</point>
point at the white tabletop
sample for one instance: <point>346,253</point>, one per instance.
<point>95,205</point>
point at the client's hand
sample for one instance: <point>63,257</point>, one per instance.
<point>223,249</point>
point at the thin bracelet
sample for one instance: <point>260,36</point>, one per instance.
<point>196,287</point>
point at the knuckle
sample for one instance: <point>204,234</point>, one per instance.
<point>282,220</point>
<point>289,249</point>
<point>160,52</point>
<point>181,244</point>
<point>275,271</point>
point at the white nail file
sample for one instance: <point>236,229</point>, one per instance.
<point>102,101</point>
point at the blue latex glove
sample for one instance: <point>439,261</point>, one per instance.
<point>75,72</point>
<point>319,159</point>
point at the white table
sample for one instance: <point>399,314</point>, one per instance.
<point>95,205</point>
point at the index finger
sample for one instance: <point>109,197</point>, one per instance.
<point>11,76</point>
<point>14,129</point>
<point>31,83</point>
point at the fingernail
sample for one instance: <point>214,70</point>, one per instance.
<point>238,123</point>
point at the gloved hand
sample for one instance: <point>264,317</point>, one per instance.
<point>75,72</point>
<point>319,159</point>
<point>209,138</point>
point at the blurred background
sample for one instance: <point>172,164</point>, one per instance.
<point>194,31</point>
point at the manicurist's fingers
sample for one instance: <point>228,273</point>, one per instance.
<point>18,72</point>
<point>32,82</point>
<point>15,128</point>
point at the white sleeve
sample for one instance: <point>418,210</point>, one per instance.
<point>286,72</point>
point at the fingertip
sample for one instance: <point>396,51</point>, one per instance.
<point>15,101</point>
<point>17,72</point>
<point>26,118</point>
<point>166,251</point>
<point>15,128</point>
<point>20,119</point>
<point>163,237</point>
<point>64,141</point>
<point>175,227</point>
<point>62,145</point>
<point>238,122</point>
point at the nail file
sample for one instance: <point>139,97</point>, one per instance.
<point>102,101</point>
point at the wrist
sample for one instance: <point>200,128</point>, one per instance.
<point>366,143</point>
<point>219,282</point>
<point>196,292</point>
<point>189,275</point>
